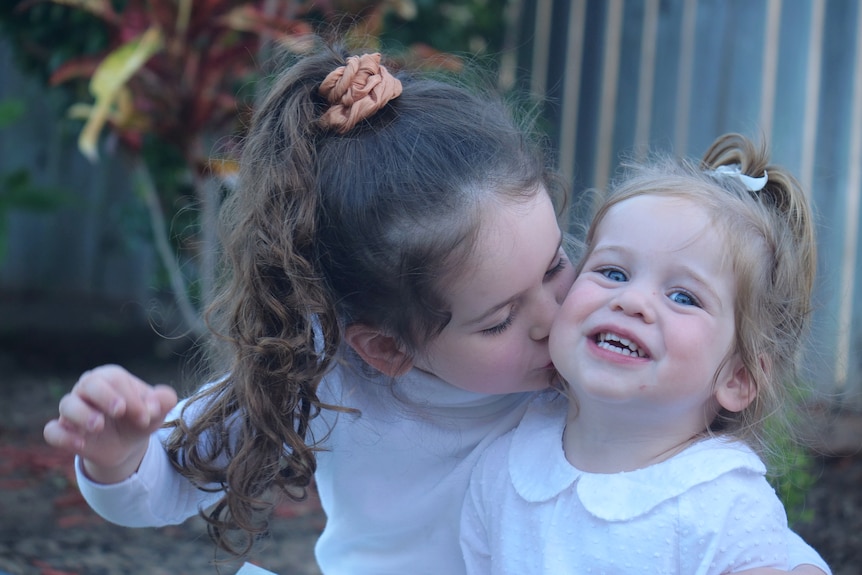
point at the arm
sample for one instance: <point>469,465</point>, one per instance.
<point>110,421</point>
<point>155,495</point>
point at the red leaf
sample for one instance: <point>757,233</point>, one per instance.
<point>46,569</point>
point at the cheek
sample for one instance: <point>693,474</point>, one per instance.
<point>501,361</point>
<point>580,299</point>
<point>479,362</point>
<point>501,356</point>
<point>566,282</point>
<point>697,348</point>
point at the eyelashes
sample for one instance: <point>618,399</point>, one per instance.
<point>502,326</point>
<point>506,323</point>
<point>561,265</point>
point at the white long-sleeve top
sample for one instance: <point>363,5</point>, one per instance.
<point>391,482</point>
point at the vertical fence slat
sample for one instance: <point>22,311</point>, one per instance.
<point>572,86</point>
<point>851,221</point>
<point>770,67</point>
<point>812,93</point>
<point>686,74</point>
<point>646,80</point>
<point>539,69</point>
<point>608,100</point>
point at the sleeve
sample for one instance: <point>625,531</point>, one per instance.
<point>801,553</point>
<point>157,494</point>
<point>736,523</point>
<point>480,519</point>
<point>474,539</point>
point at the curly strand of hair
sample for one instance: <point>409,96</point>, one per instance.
<point>264,317</point>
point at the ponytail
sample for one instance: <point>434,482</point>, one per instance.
<point>273,317</point>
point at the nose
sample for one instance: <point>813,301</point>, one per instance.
<point>635,301</point>
<point>547,307</point>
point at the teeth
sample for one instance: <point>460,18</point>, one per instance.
<point>617,344</point>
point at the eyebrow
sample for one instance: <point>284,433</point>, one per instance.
<point>686,270</point>
<point>697,278</point>
<point>492,310</point>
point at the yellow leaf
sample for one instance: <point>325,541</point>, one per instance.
<point>88,139</point>
<point>109,80</point>
<point>79,111</point>
<point>121,64</point>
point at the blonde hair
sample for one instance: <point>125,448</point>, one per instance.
<point>770,243</point>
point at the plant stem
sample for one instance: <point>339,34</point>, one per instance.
<point>189,314</point>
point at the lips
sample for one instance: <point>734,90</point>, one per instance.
<point>618,344</point>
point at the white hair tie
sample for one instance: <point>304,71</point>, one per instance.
<point>751,183</point>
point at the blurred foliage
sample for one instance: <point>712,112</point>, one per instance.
<point>17,189</point>
<point>193,85</point>
<point>792,477</point>
<point>163,81</point>
<point>47,35</point>
<point>475,28</point>
<point>788,458</point>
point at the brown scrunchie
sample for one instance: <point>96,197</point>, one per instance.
<point>357,90</point>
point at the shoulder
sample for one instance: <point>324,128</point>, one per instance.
<point>710,470</point>
<point>538,433</point>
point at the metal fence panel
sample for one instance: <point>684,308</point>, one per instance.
<point>675,74</point>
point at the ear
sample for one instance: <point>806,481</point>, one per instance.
<point>380,351</point>
<point>737,390</point>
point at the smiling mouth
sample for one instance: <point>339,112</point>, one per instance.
<point>617,344</point>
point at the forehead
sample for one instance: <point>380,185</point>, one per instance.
<point>657,217</point>
<point>516,243</point>
<point>672,224</point>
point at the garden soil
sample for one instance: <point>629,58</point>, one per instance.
<point>47,529</point>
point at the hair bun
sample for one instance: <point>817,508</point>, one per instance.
<point>356,91</point>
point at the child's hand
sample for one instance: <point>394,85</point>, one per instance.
<point>107,419</point>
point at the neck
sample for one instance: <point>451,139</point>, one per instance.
<point>602,438</point>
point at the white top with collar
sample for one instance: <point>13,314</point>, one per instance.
<point>707,510</point>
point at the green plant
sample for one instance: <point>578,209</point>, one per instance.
<point>165,79</point>
<point>791,474</point>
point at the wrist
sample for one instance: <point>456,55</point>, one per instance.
<point>114,473</point>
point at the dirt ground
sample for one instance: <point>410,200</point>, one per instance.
<point>47,529</point>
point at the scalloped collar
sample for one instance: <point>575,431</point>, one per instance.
<point>537,445</point>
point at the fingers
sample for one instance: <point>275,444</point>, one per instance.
<point>166,397</point>
<point>58,436</point>
<point>108,394</point>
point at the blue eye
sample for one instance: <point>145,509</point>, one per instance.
<point>684,298</point>
<point>614,275</point>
